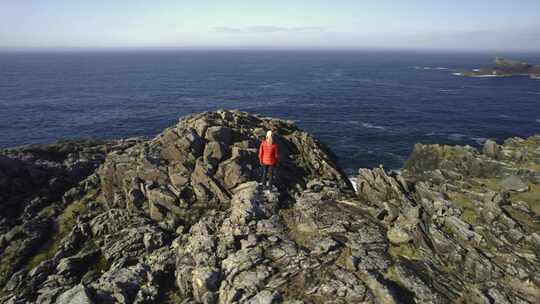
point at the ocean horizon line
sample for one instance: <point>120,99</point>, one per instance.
<point>4,50</point>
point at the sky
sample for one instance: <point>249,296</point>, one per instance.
<point>415,24</point>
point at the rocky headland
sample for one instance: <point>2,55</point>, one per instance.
<point>180,219</point>
<point>505,68</point>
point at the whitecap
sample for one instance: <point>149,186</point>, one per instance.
<point>447,91</point>
<point>457,74</point>
<point>479,140</point>
<point>456,136</point>
<point>430,68</point>
<point>271,85</point>
<point>485,76</point>
<point>368,125</point>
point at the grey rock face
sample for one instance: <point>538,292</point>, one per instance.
<point>198,163</point>
<point>36,183</point>
<point>453,215</point>
<point>76,295</point>
<point>514,183</point>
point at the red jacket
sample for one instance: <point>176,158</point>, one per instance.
<point>268,154</point>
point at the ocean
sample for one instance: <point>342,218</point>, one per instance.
<point>369,107</point>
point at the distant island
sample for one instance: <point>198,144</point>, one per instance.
<point>505,68</point>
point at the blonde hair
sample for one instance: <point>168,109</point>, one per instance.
<point>269,138</point>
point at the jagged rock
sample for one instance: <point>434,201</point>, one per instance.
<point>375,186</point>
<point>184,160</point>
<point>76,295</point>
<point>205,281</point>
<point>125,235</point>
<point>214,152</point>
<point>120,285</point>
<point>266,297</point>
<point>324,245</point>
<point>219,134</point>
<point>248,204</point>
<point>424,293</point>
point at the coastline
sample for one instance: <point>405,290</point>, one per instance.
<point>185,207</point>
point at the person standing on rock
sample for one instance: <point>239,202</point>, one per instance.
<point>268,158</point>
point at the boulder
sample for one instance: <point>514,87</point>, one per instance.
<point>76,295</point>
<point>219,134</point>
<point>514,183</point>
<point>491,149</point>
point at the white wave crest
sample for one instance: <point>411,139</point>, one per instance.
<point>368,125</point>
<point>485,76</point>
<point>456,136</point>
<point>479,140</point>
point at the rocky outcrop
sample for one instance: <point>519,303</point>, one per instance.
<point>36,183</point>
<point>506,68</point>
<point>200,162</point>
<point>467,221</point>
<point>180,219</point>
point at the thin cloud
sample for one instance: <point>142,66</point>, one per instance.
<point>520,38</point>
<point>265,29</point>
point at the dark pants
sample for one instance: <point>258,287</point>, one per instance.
<point>267,174</point>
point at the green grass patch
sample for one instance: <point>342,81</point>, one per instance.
<point>68,218</point>
<point>9,257</point>
<point>466,205</point>
<point>391,274</point>
<point>46,252</point>
<point>172,297</point>
<point>486,183</point>
<point>531,143</point>
<point>64,224</point>
<point>533,167</point>
<point>302,236</point>
<point>405,250</point>
<point>531,197</point>
<point>102,265</point>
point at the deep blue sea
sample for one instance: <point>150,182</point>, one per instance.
<point>370,107</point>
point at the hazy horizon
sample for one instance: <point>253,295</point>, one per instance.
<point>280,24</point>
<point>492,51</point>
